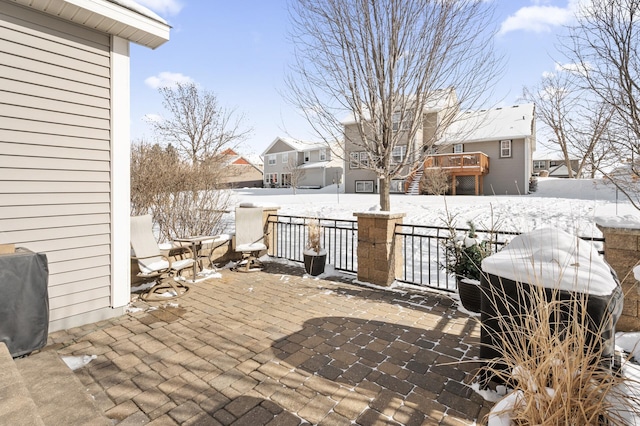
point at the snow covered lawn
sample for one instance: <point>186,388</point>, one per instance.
<point>568,204</point>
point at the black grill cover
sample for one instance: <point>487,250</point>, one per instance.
<point>24,301</point>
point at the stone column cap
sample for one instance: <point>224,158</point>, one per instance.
<point>626,223</point>
<point>380,215</point>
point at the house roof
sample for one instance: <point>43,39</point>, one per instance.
<point>551,156</point>
<point>122,18</point>
<point>513,122</point>
<point>295,144</point>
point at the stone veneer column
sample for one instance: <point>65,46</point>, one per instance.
<point>379,255</point>
<point>622,252</point>
<point>271,239</point>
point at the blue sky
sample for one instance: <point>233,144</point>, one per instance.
<point>238,49</point>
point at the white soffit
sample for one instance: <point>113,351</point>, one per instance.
<point>107,17</point>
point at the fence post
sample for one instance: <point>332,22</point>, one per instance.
<point>379,254</point>
<point>622,252</point>
<point>270,228</point>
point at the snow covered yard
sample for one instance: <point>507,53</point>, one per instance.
<point>567,204</point>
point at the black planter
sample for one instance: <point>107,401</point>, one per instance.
<point>470,293</point>
<point>314,263</point>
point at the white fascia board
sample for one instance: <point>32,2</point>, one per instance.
<point>158,30</point>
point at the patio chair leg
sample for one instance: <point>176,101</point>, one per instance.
<point>158,291</point>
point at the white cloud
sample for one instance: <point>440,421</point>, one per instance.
<point>167,79</point>
<point>541,17</point>
<point>163,7</point>
<point>574,68</point>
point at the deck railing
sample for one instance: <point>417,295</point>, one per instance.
<point>459,163</point>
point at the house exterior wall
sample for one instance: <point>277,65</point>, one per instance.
<point>280,150</point>
<point>507,176</point>
<point>56,169</point>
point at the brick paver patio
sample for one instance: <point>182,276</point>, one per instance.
<point>279,348</point>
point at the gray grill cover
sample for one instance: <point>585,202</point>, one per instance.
<point>24,301</point>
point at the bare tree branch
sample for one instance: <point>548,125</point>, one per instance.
<point>197,125</point>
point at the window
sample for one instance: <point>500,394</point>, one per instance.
<point>354,159</point>
<point>397,186</point>
<point>554,163</point>
<point>271,178</point>
<point>323,155</point>
<point>458,148</point>
<point>364,186</point>
<point>398,153</point>
<point>505,148</point>
<point>285,179</point>
<point>539,165</point>
<point>364,159</point>
<point>396,124</point>
<point>285,158</point>
<point>307,156</point>
<point>271,160</point>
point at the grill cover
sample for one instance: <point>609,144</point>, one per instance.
<point>24,301</point>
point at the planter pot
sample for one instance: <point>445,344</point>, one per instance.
<point>470,294</point>
<point>314,263</point>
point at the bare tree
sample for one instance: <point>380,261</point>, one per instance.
<point>182,197</point>
<point>197,125</point>
<point>605,43</point>
<point>577,123</point>
<point>435,181</point>
<point>387,61</point>
<point>296,173</point>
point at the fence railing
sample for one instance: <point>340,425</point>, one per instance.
<point>423,249</point>
<point>339,238</point>
<point>424,252</point>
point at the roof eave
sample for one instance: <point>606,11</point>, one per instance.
<point>106,17</point>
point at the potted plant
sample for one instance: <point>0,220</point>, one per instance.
<point>464,254</point>
<point>315,256</point>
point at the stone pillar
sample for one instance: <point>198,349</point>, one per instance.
<point>622,252</point>
<point>271,239</point>
<point>379,254</point>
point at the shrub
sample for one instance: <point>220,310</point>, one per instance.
<point>464,252</point>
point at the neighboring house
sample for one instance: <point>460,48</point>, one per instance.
<point>311,165</point>
<point>484,152</point>
<point>65,145</point>
<point>240,171</point>
<point>553,165</point>
<point>503,140</point>
<point>358,178</point>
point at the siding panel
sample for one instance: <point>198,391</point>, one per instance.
<point>55,169</point>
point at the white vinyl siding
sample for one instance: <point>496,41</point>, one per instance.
<point>55,160</point>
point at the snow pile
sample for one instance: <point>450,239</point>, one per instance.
<point>555,259</point>
<point>76,362</point>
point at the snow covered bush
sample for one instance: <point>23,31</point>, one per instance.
<point>464,253</point>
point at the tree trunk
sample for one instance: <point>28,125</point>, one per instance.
<point>385,200</point>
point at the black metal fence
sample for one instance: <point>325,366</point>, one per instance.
<point>423,249</point>
<point>424,252</point>
<point>339,238</point>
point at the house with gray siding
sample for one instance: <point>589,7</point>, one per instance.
<point>504,138</point>
<point>483,152</point>
<point>65,145</point>
<point>288,161</point>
